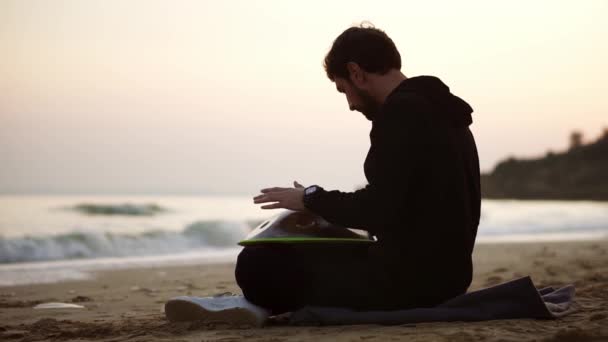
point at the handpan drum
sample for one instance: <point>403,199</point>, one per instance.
<point>295,227</point>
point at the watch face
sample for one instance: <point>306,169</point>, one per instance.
<point>310,190</point>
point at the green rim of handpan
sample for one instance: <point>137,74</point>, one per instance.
<point>301,240</point>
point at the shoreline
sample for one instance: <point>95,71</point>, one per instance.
<point>121,304</point>
<point>63,270</point>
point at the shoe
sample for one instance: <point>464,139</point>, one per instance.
<point>225,309</point>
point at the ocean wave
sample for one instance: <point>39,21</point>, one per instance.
<point>128,209</point>
<point>81,244</point>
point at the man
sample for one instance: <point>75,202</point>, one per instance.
<point>422,200</point>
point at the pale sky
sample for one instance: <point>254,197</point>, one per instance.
<point>230,96</point>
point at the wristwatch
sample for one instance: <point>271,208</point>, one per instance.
<point>310,193</point>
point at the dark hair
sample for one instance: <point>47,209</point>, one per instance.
<point>365,45</point>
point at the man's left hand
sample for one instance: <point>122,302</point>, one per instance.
<point>287,198</point>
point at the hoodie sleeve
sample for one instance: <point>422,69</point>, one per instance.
<point>397,141</point>
<point>365,208</point>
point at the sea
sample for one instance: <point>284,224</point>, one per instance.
<point>45,239</point>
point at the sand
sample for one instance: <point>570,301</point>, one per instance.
<point>126,304</point>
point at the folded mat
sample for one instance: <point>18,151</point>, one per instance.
<point>514,299</point>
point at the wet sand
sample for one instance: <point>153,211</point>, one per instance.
<point>126,304</point>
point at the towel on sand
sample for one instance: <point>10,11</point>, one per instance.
<point>514,299</point>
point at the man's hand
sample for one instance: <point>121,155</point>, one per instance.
<point>287,198</point>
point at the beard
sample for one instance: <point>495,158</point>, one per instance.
<point>368,107</point>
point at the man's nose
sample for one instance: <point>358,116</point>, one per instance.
<point>352,107</point>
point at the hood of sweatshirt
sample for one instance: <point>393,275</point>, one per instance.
<point>449,106</point>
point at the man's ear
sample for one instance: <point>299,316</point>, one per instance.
<point>355,73</point>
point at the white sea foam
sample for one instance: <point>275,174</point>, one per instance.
<point>502,219</point>
<point>94,244</point>
<point>79,269</point>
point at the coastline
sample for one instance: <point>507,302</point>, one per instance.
<point>121,304</point>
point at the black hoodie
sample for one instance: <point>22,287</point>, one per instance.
<point>422,201</point>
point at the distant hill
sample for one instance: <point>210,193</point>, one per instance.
<point>580,173</point>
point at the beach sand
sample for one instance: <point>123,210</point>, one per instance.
<point>126,304</point>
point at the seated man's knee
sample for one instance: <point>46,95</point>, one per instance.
<point>269,276</point>
<point>252,266</point>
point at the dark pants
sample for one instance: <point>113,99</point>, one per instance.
<point>284,278</point>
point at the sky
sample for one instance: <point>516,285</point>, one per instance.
<point>228,97</point>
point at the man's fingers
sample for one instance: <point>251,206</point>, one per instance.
<point>273,206</point>
<point>263,199</point>
<point>268,197</point>
<point>273,189</point>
